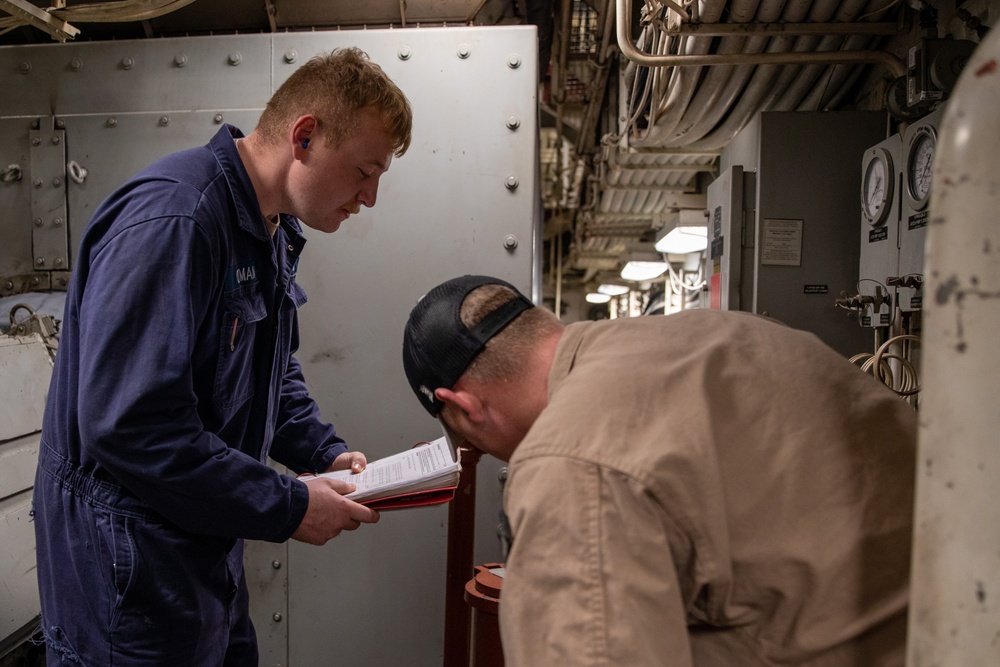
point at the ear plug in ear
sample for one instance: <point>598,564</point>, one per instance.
<point>305,143</point>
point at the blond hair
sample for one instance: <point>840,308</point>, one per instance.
<point>334,87</point>
<point>506,354</point>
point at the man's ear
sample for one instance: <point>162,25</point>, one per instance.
<point>468,404</point>
<point>301,133</point>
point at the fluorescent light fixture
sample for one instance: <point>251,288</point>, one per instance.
<point>597,297</point>
<point>612,289</point>
<point>683,232</point>
<point>642,262</point>
<point>638,271</point>
<point>684,240</point>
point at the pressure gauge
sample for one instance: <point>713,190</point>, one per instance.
<point>919,163</point>
<point>877,179</point>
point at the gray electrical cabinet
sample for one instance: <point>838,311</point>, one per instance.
<point>799,240</point>
<point>78,119</point>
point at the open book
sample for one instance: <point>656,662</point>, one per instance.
<point>425,475</point>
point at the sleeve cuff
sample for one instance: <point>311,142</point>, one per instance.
<point>297,509</point>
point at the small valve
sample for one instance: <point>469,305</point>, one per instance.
<point>852,302</point>
<point>912,281</point>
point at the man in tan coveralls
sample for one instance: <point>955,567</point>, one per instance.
<point>706,488</point>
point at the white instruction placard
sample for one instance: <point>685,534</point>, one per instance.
<point>781,242</point>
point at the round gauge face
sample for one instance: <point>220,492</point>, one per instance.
<point>876,186</point>
<point>919,165</point>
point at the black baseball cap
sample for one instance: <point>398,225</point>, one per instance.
<point>438,347</point>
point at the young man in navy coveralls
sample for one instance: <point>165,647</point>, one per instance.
<point>176,379</point>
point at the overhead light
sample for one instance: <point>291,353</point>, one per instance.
<point>683,232</point>
<point>638,271</point>
<point>642,263</point>
<point>597,297</point>
<point>612,289</point>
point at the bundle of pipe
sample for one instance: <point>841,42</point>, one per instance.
<point>117,11</point>
<point>703,108</point>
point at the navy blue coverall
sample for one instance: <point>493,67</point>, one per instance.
<point>174,381</point>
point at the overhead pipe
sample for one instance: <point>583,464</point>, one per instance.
<point>766,85</point>
<point>120,11</point>
<point>705,111</point>
<point>845,88</point>
<point>835,77</point>
<point>724,84</point>
<point>802,95</point>
<point>786,29</point>
<point>683,82</point>
<point>770,83</point>
<point>717,80</point>
<point>805,78</point>
<point>890,62</point>
<point>681,133</point>
<point>24,13</point>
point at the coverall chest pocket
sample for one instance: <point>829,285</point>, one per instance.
<point>294,299</point>
<point>243,313</point>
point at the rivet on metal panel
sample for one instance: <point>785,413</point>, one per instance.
<point>25,67</point>
<point>511,183</point>
<point>36,281</point>
<point>62,282</point>
<point>56,182</point>
<point>111,122</point>
<point>277,617</point>
<point>464,51</point>
<point>180,59</point>
<point>127,63</point>
<point>40,261</point>
<point>8,285</point>
<point>58,222</point>
<point>164,121</point>
<point>55,140</point>
<point>290,56</point>
<point>60,124</point>
<point>35,141</point>
<point>218,118</point>
<point>513,122</point>
<point>37,222</point>
<point>404,53</point>
<point>37,182</point>
<point>276,564</point>
<point>235,58</point>
<point>76,64</point>
<point>59,261</point>
<point>509,242</point>
<point>513,61</point>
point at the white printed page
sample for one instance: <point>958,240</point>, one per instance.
<point>424,467</point>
